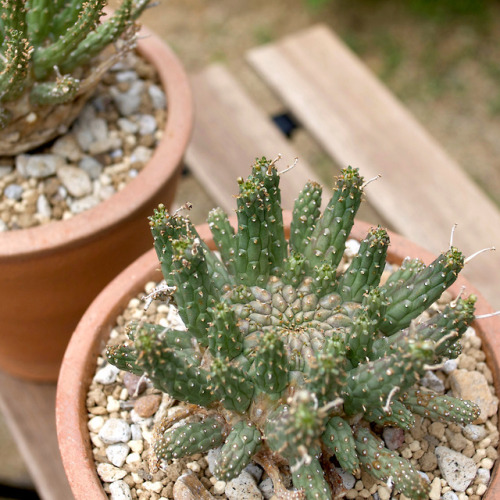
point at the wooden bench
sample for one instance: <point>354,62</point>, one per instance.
<point>356,120</point>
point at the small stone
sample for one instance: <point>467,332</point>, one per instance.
<point>154,486</point>
<point>115,430</point>
<point>428,462</point>
<point>189,487</point>
<point>254,470</point>
<point>147,124</point>
<point>136,433</point>
<point>474,387</point>
<point>5,170</point>
<point>136,445</point>
<point>109,473</point>
<point>348,480</point>
<point>134,383</point>
<point>435,491</point>
<point>450,365</point>
<point>449,495</point>
<point>211,458</point>
<point>141,154</point>
<point>456,441</point>
<point>117,453</point>
<point>43,207</point>
<point>394,437</point>
<point>128,126</point>
<point>75,180</point>
<point>120,490</point>
<point>13,192</point>
<point>474,432</point>
<point>483,476</point>
<point>128,102</point>
<point>83,204</point>
<point>126,76</point>
<point>104,145</point>
<point>95,423</point>
<point>68,147</point>
<point>243,487</point>
<point>351,248</point>
<point>158,98</point>
<point>384,493</point>
<point>146,406</point>
<point>266,487</point>
<point>433,382</point>
<point>39,166</point>
<point>436,429</point>
<point>107,374</point>
<point>133,458</point>
<point>457,469</point>
<point>3,226</point>
<point>90,165</point>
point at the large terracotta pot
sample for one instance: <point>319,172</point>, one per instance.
<point>50,274</point>
<point>92,333</point>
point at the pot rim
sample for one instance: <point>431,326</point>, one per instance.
<point>92,333</point>
<point>122,205</point>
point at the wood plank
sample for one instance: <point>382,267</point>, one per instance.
<point>29,411</point>
<point>230,131</point>
<point>358,122</point>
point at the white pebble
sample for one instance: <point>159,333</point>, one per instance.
<point>133,458</point>
<point>483,476</point>
<point>120,490</point>
<point>474,432</point>
<point>157,97</point>
<point>43,206</point>
<point>155,487</point>
<point>449,365</point>
<point>115,430</point>
<point>117,453</point>
<point>351,248</point>
<point>107,375</point>
<point>136,445</point>
<point>113,405</point>
<point>95,423</point>
<point>254,470</point>
<point>243,487</point>
<point>457,469</point>
<point>109,473</point>
<point>136,432</point>
<point>219,487</point>
<point>147,124</point>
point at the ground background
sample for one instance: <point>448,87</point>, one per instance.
<point>440,57</point>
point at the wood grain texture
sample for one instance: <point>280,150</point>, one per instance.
<point>358,122</point>
<point>230,131</point>
<point>29,410</point>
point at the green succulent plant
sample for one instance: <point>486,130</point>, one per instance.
<point>285,359</point>
<point>48,65</point>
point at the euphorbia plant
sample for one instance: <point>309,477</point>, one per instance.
<point>50,63</point>
<point>287,360</point>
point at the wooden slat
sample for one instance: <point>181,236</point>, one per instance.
<point>358,122</point>
<point>230,131</point>
<point>29,411</point>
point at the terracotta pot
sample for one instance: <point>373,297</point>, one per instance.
<point>50,274</point>
<point>92,333</point>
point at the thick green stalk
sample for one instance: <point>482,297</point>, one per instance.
<point>328,238</point>
<point>366,268</point>
<point>46,57</point>
<point>419,292</point>
<point>306,212</point>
